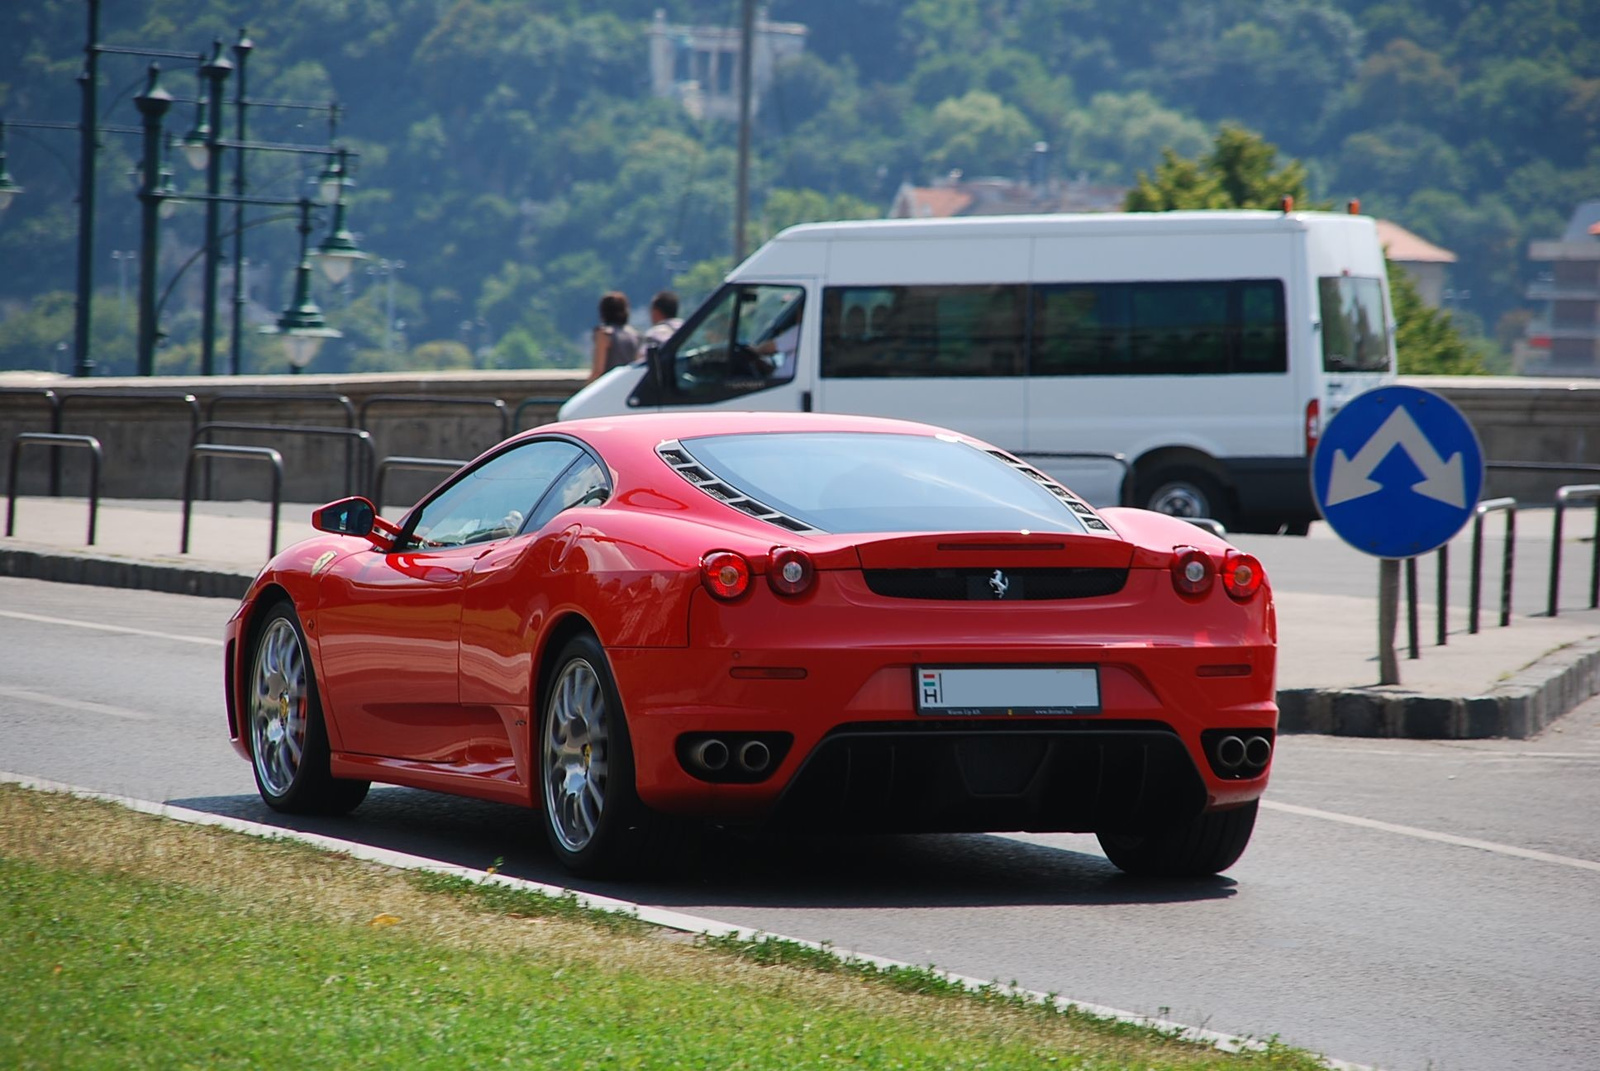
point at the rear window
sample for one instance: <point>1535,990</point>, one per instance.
<point>1355,331</point>
<point>867,482</point>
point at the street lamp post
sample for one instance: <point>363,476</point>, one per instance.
<point>215,71</point>
<point>302,326</point>
<point>152,104</point>
<point>241,55</point>
<point>88,81</point>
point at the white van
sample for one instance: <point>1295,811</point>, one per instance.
<point>1206,347</point>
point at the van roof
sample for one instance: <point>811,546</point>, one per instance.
<point>1228,220</point>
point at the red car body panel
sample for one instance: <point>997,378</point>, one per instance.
<point>429,663</point>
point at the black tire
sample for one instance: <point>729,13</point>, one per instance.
<point>288,738</point>
<point>1200,847</point>
<point>1298,528</point>
<point>1186,492</point>
<point>588,802</point>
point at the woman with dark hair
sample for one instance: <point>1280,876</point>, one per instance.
<point>615,343</point>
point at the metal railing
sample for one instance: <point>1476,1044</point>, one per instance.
<point>1569,493</point>
<point>428,399</point>
<point>409,464</point>
<point>93,397</point>
<point>87,442</point>
<point>210,450</point>
<point>1492,505</point>
<point>53,400</point>
<point>359,437</point>
<point>549,401</point>
<point>244,399</point>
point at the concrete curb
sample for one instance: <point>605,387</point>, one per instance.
<point>68,568</point>
<point>1518,707</point>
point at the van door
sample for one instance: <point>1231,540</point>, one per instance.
<point>944,354</point>
<point>741,350</point>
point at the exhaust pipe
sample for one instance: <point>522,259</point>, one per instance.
<point>710,754</point>
<point>1231,752</point>
<point>754,756</point>
<point>1257,750</point>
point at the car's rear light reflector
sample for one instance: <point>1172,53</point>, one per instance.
<point>790,571</point>
<point>1241,575</point>
<point>725,574</point>
<point>1192,571</point>
<point>1238,669</point>
<point>768,673</point>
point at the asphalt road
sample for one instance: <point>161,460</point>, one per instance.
<point>1408,904</point>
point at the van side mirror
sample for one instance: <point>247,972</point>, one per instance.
<point>348,516</point>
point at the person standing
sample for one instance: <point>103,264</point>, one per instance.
<point>664,318</point>
<point>616,343</point>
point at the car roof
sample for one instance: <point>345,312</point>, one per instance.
<point>645,431</point>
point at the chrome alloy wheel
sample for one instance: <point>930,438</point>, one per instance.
<point>576,752</point>
<point>279,697</point>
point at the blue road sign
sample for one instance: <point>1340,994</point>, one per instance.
<point>1397,472</point>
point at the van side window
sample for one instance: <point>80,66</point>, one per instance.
<point>1161,328</point>
<point>939,331</point>
<point>1355,331</point>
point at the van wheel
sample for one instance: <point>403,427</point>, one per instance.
<point>1186,492</point>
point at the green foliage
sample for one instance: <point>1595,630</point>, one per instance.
<point>1426,342</point>
<point>1239,172</point>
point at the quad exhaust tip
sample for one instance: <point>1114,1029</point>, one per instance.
<point>754,756</point>
<point>1257,750</point>
<point>710,754</point>
<point>1231,752</point>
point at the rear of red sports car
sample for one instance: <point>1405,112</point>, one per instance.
<point>1052,668</point>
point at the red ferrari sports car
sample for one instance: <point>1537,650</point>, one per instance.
<point>846,623</point>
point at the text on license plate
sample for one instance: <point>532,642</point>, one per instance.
<point>1008,690</point>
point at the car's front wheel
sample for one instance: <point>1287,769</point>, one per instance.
<point>592,813</point>
<point>1208,844</point>
<point>288,738</point>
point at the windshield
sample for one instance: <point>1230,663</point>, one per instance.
<point>1355,332</point>
<point>867,482</point>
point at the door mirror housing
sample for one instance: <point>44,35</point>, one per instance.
<point>349,516</point>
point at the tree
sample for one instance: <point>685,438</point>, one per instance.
<point>1425,340</point>
<point>1237,173</point>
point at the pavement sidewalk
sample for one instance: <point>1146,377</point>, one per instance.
<point>1499,682</point>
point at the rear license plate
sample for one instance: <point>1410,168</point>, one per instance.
<point>968,690</point>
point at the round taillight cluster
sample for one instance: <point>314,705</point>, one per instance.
<point>1242,575</point>
<point>789,571</point>
<point>726,573</point>
<point>1192,571</point>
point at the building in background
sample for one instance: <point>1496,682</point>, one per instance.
<point>1564,338</point>
<point>956,196</point>
<point>1426,263</point>
<point>699,65</point>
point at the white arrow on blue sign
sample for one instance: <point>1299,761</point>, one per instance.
<point>1397,472</point>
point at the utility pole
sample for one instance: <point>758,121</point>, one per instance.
<point>747,22</point>
<point>215,72</point>
<point>241,54</point>
<point>88,133</point>
<point>153,104</point>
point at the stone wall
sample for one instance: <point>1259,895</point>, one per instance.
<point>146,437</point>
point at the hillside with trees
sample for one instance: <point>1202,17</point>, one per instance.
<point>513,160</point>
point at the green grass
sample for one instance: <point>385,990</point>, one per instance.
<point>129,942</point>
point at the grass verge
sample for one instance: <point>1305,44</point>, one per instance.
<point>131,942</point>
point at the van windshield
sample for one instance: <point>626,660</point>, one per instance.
<point>871,482</point>
<point>746,339</point>
<point>1355,330</point>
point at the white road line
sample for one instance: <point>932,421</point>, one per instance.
<point>1428,834</point>
<point>655,916</point>
<point>99,627</point>
<point>81,705</point>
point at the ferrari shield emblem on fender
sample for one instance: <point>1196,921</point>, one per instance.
<point>322,562</point>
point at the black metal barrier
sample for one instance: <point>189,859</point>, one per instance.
<point>263,453</point>
<point>1575,492</point>
<point>53,400</point>
<point>427,399</point>
<point>333,397</point>
<point>357,436</point>
<point>88,442</point>
<point>411,464</point>
<point>1492,505</point>
<point>542,401</point>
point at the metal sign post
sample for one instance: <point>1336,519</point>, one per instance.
<point>1397,473</point>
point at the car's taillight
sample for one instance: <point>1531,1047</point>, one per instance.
<point>725,574</point>
<point>790,571</point>
<point>1241,575</point>
<point>1192,571</point>
<point>1313,425</point>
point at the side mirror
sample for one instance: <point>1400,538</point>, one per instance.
<point>348,516</point>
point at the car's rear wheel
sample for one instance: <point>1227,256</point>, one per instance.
<point>592,813</point>
<point>288,738</point>
<point>1208,844</point>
